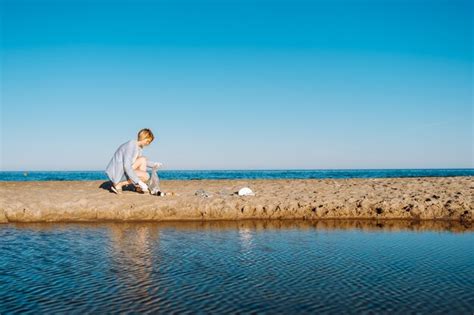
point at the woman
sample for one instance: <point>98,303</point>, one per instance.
<point>128,166</point>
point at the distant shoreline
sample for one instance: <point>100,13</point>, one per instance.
<point>426,198</point>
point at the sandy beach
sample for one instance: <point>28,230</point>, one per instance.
<point>439,198</point>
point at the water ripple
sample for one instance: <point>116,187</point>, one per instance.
<point>150,268</point>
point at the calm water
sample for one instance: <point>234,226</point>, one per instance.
<point>222,267</point>
<point>244,174</point>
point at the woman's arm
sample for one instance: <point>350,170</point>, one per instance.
<point>150,164</point>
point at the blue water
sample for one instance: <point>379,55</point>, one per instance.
<point>243,174</point>
<point>271,267</point>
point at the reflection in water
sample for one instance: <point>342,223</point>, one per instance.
<point>245,237</point>
<point>229,266</point>
<point>132,257</point>
<point>258,225</point>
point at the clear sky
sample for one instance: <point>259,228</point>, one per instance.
<point>254,84</point>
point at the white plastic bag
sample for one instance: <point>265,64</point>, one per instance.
<point>154,182</point>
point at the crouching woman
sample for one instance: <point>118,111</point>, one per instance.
<point>128,166</point>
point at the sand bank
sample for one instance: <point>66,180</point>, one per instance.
<point>443,198</point>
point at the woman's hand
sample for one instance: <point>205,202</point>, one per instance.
<point>157,165</point>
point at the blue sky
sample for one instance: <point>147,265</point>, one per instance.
<point>238,84</point>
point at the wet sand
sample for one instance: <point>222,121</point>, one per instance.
<point>438,198</point>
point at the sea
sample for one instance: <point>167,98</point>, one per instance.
<point>241,174</point>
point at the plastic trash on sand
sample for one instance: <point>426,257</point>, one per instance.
<point>246,192</point>
<point>154,182</point>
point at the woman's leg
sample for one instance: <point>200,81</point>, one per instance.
<point>121,184</point>
<point>140,169</point>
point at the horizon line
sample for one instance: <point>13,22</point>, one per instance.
<point>257,170</point>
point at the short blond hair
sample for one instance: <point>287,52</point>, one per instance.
<point>145,134</point>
